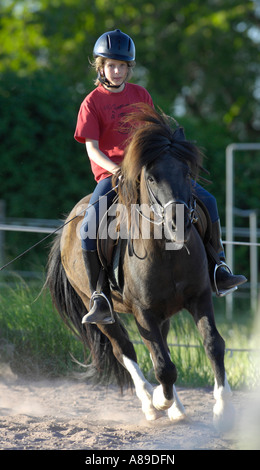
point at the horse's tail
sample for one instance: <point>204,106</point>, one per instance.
<point>104,367</point>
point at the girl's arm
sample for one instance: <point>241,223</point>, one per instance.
<point>99,157</point>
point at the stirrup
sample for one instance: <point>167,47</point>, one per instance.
<point>223,292</point>
<point>91,302</point>
<point>101,294</point>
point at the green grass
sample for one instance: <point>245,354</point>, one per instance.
<point>33,339</point>
<point>192,364</point>
<point>35,342</point>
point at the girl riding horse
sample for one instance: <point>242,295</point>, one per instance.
<point>99,128</point>
<point>159,165</point>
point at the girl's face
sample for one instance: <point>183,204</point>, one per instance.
<point>115,71</point>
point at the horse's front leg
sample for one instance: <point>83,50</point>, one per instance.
<point>123,350</point>
<point>223,411</point>
<point>164,395</point>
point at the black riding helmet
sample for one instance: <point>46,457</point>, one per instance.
<point>115,45</point>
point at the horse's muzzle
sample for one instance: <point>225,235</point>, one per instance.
<point>177,223</point>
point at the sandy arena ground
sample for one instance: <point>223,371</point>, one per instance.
<point>71,415</point>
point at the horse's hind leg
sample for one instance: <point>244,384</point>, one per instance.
<point>124,351</point>
<point>214,345</point>
<point>143,388</point>
<point>177,410</point>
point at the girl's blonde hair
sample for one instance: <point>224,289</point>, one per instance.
<point>99,63</point>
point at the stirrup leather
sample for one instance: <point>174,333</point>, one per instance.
<point>224,292</point>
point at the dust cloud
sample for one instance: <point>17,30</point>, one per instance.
<point>71,415</point>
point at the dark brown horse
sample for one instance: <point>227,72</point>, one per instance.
<point>161,273</point>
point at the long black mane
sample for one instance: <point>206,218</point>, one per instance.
<point>153,134</point>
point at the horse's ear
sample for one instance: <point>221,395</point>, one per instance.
<point>179,134</point>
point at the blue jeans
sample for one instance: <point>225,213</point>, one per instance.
<point>94,213</point>
<point>97,208</point>
<point>207,199</point>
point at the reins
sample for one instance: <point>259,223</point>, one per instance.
<point>54,231</point>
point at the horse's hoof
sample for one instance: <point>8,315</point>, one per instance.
<point>153,414</point>
<point>224,416</point>
<point>176,414</point>
<point>159,400</point>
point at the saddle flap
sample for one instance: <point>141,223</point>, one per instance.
<point>203,221</point>
<point>109,246</point>
<point>107,237</point>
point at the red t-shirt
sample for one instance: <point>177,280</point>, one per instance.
<point>99,119</point>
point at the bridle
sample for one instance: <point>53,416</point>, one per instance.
<point>160,210</point>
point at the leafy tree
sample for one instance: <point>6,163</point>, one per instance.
<point>202,55</point>
<point>43,170</point>
<point>199,60</point>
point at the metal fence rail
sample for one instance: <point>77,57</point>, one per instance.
<point>198,346</point>
<point>26,228</point>
<point>46,226</point>
<point>49,226</point>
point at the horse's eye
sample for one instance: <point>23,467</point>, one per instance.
<point>150,179</point>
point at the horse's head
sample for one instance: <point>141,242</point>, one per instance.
<point>157,170</point>
<point>167,181</point>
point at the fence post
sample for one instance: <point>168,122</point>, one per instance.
<point>2,232</point>
<point>230,149</point>
<point>253,259</point>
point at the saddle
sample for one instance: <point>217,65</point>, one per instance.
<point>110,246</point>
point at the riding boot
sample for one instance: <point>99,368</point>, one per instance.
<point>222,279</point>
<point>100,306</point>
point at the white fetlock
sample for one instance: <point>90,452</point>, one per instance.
<point>144,392</point>
<point>175,413</point>
<point>223,410</point>
<point>159,400</point>
<point>177,410</point>
<point>151,414</point>
<point>143,388</point>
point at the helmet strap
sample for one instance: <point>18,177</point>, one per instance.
<point>106,82</point>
